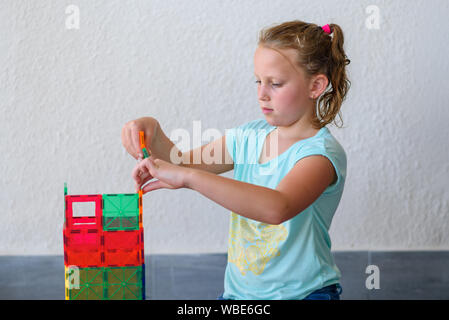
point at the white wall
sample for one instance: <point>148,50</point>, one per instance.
<point>66,93</point>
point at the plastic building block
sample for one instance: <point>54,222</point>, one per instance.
<point>121,211</point>
<point>116,283</point>
<point>72,222</point>
<point>140,208</point>
<point>146,152</point>
<point>104,254</point>
<point>65,193</point>
<point>67,283</point>
<point>83,248</point>
<point>83,235</point>
<point>123,248</point>
<point>125,283</point>
<point>89,286</point>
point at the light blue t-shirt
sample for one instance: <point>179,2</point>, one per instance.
<point>292,259</point>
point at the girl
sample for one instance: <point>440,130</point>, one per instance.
<point>289,171</point>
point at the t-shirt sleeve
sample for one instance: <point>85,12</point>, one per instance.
<point>335,155</point>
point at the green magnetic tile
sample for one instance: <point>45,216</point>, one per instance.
<point>91,285</point>
<point>124,283</point>
<point>128,292</point>
<point>145,153</point>
<point>87,293</point>
<point>118,223</point>
<point>121,211</point>
<point>65,193</point>
<point>109,283</point>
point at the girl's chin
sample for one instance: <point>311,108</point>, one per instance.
<point>270,121</point>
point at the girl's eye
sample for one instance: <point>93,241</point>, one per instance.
<point>273,84</point>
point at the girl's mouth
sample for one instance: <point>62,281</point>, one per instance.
<point>266,110</point>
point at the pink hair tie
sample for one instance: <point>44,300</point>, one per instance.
<point>326,28</point>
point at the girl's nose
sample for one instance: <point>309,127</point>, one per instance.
<point>262,94</point>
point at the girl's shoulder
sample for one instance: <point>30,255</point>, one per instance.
<point>323,143</point>
<point>255,125</point>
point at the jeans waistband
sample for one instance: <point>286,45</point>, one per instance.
<point>335,286</point>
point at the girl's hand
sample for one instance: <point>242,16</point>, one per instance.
<point>169,175</point>
<point>131,138</point>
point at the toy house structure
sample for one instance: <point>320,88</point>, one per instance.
<point>104,253</point>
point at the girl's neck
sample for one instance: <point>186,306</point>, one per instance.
<point>297,131</point>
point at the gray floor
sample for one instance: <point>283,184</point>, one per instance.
<point>403,275</point>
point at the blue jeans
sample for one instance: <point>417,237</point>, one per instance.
<point>331,292</point>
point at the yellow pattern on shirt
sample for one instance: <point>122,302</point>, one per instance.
<point>252,244</point>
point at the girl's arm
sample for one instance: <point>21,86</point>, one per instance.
<point>212,157</point>
<point>248,200</point>
<point>305,182</point>
<point>215,150</point>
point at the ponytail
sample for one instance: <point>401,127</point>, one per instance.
<point>330,102</point>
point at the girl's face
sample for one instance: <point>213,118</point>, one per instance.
<point>281,86</point>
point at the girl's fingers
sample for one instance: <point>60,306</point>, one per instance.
<point>142,182</point>
<point>136,173</point>
<point>153,163</point>
<point>130,144</point>
<point>154,185</point>
<point>140,173</point>
<point>135,140</point>
<point>126,142</point>
<point>151,166</point>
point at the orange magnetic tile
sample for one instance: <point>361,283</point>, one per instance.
<point>142,139</point>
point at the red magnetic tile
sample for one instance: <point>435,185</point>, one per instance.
<point>123,258</point>
<point>123,248</point>
<point>123,239</point>
<point>83,222</point>
<point>83,248</point>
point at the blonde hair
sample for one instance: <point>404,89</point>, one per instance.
<point>318,53</point>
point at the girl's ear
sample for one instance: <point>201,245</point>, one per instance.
<point>318,84</point>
